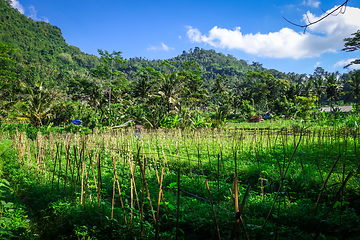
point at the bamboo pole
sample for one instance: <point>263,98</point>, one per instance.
<point>178,205</point>
<point>119,190</point>
<point>142,170</point>
<point>236,190</point>
<point>158,205</point>
<point>213,210</point>
<point>324,184</point>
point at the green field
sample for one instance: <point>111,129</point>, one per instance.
<point>291,184</point>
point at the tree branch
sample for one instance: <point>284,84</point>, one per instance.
<point>341,9</point>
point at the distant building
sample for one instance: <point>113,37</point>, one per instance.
<point>84,99</point>
<point>256,119</point>
<point>342,109</point>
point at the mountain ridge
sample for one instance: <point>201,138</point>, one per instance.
<point>43,51</point>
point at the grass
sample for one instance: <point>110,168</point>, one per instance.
<point>285,168</point>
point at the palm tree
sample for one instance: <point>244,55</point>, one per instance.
<point>39,104</point>
<point>354,83</point>
<point>332,89</point>
<point>171,88</point>
<point>144,86</point>
<point>194,83</point>
<point>219,85</point>
<point>319,87</point>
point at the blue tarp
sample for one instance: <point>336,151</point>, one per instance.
<point>76,122</point>
<point>267,116</point>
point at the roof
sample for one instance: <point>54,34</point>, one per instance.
<point>342,109</point>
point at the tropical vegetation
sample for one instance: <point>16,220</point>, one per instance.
<point>162,149</point>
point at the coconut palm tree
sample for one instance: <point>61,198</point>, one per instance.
<point>319,87</point>
<point>354,83</point>
<point>144,85</point>
<point>332,89</point>
<point>37,108</point>
<point>219,85</point>
<point>171,88</point>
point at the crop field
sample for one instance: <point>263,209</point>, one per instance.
<point>192,184</point>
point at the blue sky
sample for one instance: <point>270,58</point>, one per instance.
<point>250,30</point>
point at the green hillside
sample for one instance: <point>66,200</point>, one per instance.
<point>145,89</point>
<point>212,64</point>
<point>40,47</point>
<point>42,50</point>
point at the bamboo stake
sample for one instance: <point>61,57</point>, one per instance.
<point>324,184</point>
<point>208,155</point>
<point>67,164</point>
<point>166,164</point>
<point>93,171</point>
<point>99,184</point>
<point>236,190</point>
<point>82,183</point>
<point>142,170</point>
<point>218,173</point>
<point>52,182</point>
<point>132,167</point>
<point>131,197</point>
<point>334,202</point>
<point>158,205</point>
<point>59,166</point>
<point>260,173</point>
<point>241,209</point>
<point>178,205</point>
<point>77,167</point>
<point>213,210</point>
<point>87,178</point>
<point>119,190</point>
<point>142,211</point>
<point>113,200</point>
<point>282,182</point>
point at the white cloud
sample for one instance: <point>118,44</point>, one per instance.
<point>162,47</point>
<point>311,3</point>
<point>16,4</point>
<point>33,13</point>
<point>346,62</point>
<point>151,48</point>
<point>325,36</point>
<point>45,19</point>
<point>317,64</point>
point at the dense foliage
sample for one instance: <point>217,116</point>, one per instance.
<point>290,183</point>
<point>185,175</point>
<point>45,81</point>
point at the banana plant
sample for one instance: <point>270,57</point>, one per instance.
<point>200,122</point>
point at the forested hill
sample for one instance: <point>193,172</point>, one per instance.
<point>42,52</point>
<point>213,64</point>
<point>40,46</point>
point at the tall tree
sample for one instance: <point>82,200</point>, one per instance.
<point>354,83</point>
<point>219,85</point>
<point>171,88</point>
<point>194,83</point>
<point>37,108</point>
<point>107,68</point>
<point>145,82</point>
<point>319,87</point>
<point>352,44</point>
<point>332,89</point>
<point>8,79</point>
